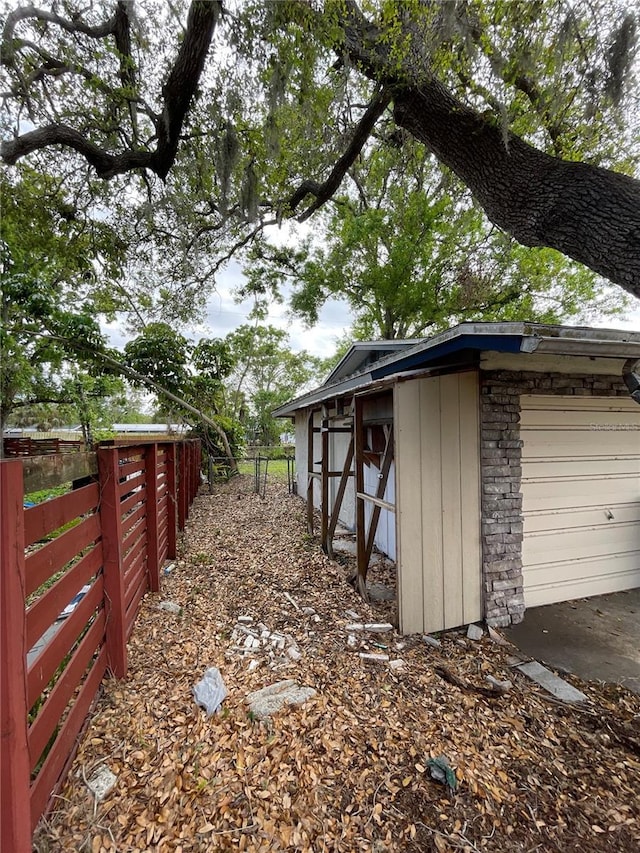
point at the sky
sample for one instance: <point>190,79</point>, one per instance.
<point>223,315</point>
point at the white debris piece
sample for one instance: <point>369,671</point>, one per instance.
<point>432,641</point>
<point>245,620</point>
<point>371,627</point>
<point>474,632</point>
<point>170,607</point>
<point>373,657</point>
<point>352,641</point>
<point>102,782</point>
<point>351,614</point>
<point>308,611</point>
<point>398,663</point>
<point>253,665</point>
<point>263,703</point>
<point>294,653</point>
<point>499,685</point>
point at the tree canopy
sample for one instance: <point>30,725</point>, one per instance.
<point>252,112</point>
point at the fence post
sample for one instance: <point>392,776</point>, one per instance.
<point>151,474</point>
<point>111,523</point>
<point>182,482</point>
<point>15,815</point>
<point>172,498</point>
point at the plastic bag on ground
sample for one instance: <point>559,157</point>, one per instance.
<point>210,692</point>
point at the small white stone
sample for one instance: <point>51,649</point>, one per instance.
<point>373,657</point>
<point>294,653</point>
<point>246,620</point>
<point>474,632</point>
<point>102,782</point>
<point>316,618</point>
<point>396,664</point>
<point>352,641</point>
<point>308,611</point>
<point>170,607</point>
<point>253,665</point>
<point>351,614</point>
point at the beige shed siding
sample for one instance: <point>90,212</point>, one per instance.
<point>581,496</point>
<point>438,502</point>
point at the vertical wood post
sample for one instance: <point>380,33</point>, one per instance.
<point>151,474</point>
<point>310,478</point>
<point>15,815</point>
<point>324,478</point>
<point>358,438</point>
<point>181,485</point>
<point>172,500</point>
<point>111,523</point>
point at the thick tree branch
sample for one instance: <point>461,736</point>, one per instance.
<point>589,214</point>
<point>323,192</point>
<point>177,92</point>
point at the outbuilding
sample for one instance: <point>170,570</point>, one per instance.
<point>498,464</point>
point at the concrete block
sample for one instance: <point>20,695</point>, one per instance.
<point>558,687</point>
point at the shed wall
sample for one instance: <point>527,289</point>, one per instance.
<point>438,502</point>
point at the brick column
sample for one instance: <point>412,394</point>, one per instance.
<point>501,473</point>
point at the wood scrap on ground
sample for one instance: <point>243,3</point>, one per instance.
<point>347,770</point>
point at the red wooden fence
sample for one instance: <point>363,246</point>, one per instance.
<point>108,539</point>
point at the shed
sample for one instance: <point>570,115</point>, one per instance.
<point>498,464</point>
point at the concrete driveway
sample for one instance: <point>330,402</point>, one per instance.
<point>595,638</point>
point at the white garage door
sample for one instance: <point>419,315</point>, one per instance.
<point>581,496</point>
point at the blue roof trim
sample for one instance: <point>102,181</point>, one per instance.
<point>496,343</point>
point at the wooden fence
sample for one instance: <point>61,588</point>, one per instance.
<point>27,446</point>
<point>93,553</point>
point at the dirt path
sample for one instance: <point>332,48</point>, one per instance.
<point>346,771</point>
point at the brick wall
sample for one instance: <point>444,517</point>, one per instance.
<point>501,474</point>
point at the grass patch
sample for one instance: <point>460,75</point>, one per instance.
<point>45,494</point>
<point>276,470</point>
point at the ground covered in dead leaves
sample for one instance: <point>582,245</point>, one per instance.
<point>347,771</point>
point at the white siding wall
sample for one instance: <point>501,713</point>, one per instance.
<point>386,533</point>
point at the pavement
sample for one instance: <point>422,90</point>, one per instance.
<point>595,638</point>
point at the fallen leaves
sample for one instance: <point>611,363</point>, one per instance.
<point>348,770</point>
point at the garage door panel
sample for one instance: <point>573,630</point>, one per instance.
<point>581,496</point>
<point>559,519</point>
<point>581,543</point>
<point>552,402</point>
<point>591,468</point>
<point>572,444</point>
<point>579,493</point>
<point>620,572</point>
<point>586,420</point>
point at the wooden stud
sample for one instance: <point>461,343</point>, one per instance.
<point>387,459</point>
<point>310,472</point>
<point>358,435</point>
<point>344,479</point>
<point>324,479</point>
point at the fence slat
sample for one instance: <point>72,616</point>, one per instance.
<point>111,519</point>
<point>15,824</point>
<point>48,607</point>
<point>53,556</point>
<point>51,712</point>
<point>44,666</point>
<point>56,762</point>
<point>40,520</point>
